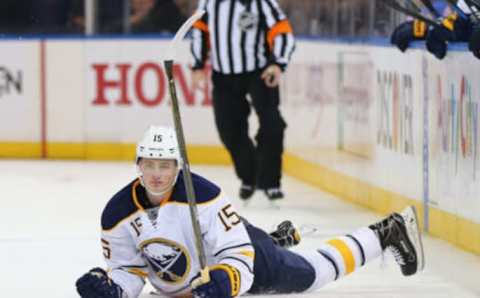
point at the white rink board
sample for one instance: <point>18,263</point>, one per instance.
<point>314,93</point>
<point>20,104</point>
<point>454,95</point>
<point>125,90</point>
<point>66,91</point>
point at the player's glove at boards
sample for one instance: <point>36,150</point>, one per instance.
<point>96,284</point>
<point>407,32</point>
<point>224,283</point>
<point>453,29</point>
<point>474,42</point>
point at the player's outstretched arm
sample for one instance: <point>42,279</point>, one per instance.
<point>455,28</point>
<point>126,269</point>
<point>407,32</point>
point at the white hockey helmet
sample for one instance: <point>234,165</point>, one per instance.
<point>159,142</point>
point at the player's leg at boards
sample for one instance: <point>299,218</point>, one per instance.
<point>279,270</point>
<point>398,233</point>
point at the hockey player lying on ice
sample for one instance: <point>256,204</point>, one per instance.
<point>147,234</point>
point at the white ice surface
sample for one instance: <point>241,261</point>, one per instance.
<point>49,232</point>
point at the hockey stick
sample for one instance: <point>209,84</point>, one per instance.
<point>474,3</point>
<point>187,176</point>
<point>423,6</point>
<point>429,6</point>
<point>395,5</point>
<point>474,9</point>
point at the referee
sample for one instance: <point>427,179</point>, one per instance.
<point>249,43</point>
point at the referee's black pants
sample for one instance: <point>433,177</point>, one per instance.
<point>259,165</point>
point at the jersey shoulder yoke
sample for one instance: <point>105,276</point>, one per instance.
<point>119,207</point>
<point>205,190</point>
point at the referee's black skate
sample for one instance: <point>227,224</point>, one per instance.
<point>274,193</point>
<point>286,235</point>
<point>246,191</point>
<point>400,233</point>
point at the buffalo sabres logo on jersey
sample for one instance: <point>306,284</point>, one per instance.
<point>247,21</point>
<point>169,260</point>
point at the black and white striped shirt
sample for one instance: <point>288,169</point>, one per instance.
<point>241,36</point>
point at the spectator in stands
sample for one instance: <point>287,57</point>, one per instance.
<point>49,16</point>
<point>150,16</point>
<point>14,16</point>
<point>108,12</point>
<point>301,14</point>
<point>147,16</point>
<point>186,6</point>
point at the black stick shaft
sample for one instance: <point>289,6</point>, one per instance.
<point>187,176</point>
<point>473,3</point>
<point>393,4</point>
<point>474,9</point>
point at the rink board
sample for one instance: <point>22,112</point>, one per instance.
<point>375,127</point>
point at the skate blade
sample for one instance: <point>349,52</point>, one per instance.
<point>413,229</point>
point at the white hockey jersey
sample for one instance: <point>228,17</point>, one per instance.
<point>141,241</point>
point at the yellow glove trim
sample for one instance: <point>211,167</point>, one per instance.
<point>296,236</point>
<point>449,22</point>
<point>419,29</point>
<point>233,275</point>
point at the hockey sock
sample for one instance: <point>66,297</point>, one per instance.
<point>343,255</point>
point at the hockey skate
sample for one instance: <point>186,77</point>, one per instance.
<point>286,235</point>
<point>246,191</point>
<point>274,193</point>
<point>400,234</point>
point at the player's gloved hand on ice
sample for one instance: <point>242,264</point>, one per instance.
<point>96,284</point>
<point>286,235</point>
<point>453,29</point>
<point>474,42</point>
<point>224,282</point>
<point>407,32</point>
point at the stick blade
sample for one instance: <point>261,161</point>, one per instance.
<point>180,35</point>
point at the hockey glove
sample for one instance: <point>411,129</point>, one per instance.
<point>453,29</point>
<point>474,42</point>
<point>224,282</point>
<point>408,32</point>
<point>96,284</point>
<point>286,235</point>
